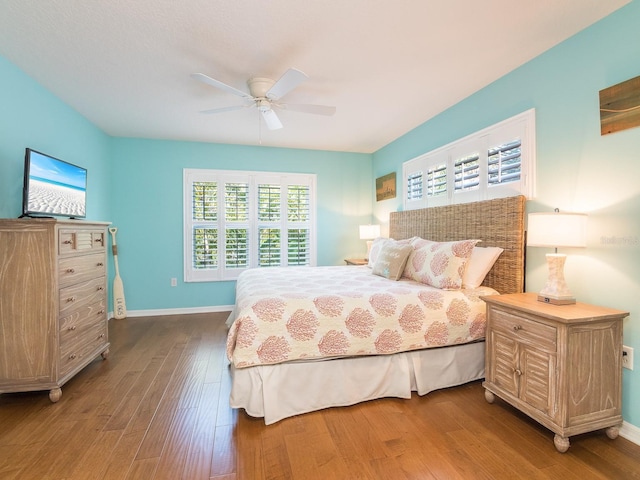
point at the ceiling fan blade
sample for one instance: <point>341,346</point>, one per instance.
<point>201,77</point>
<point>224,109</point>
<point>314,109</point>
<point>287,82</point>
<point>271,119</point>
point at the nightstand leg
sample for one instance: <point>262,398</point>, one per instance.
<point>561,443</point>
<point>489,397</point>
<point>612,432</point>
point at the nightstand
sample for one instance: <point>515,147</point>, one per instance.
<point>356,261</point>
<point>559,364</point>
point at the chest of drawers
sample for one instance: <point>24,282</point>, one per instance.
<point>53,301</point>
<point>559,364</point>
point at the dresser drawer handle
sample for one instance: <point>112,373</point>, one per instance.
<point>100,264</point>
<point>100,288</point>
<point>73,327</point>
<point>71,270</point>
<point>72,356</point>
<point>67,242</point>
<point>101,312</point>
<point>101,335</point>
<point>516,328</point>
<point>518,372</point>
<point>71,299</point>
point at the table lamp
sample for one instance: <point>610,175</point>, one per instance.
<point>556,229</point>
<point>368,233</point>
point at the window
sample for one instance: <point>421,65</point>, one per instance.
<point>238,220</point>
<point>498,161</point>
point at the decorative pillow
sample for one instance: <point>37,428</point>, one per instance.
<point>392,259</point>
<point>478,265</point>
<point>375,249</point>
<point>439,264</point>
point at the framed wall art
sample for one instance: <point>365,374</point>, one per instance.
<point>386,187</point>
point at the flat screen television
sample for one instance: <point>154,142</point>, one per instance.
<point>53,187</point>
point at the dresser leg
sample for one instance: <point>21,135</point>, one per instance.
<point>105,354</point>
<point>55,394</point>
<point>612,432</point>
<point>561,443</point>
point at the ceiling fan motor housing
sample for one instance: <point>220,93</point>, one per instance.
<point>259,86</point>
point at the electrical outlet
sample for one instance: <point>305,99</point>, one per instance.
<point>627,357</point>
<point>174,282</point>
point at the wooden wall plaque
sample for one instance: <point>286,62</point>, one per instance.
<point>620,106</point>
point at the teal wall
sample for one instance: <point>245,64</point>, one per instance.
<point>147,209</point>
<point>30,116</point>
<point>577,168</point>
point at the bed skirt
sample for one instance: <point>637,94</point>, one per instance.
<point>280,391</point>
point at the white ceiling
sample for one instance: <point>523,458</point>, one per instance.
<point>387,66</point>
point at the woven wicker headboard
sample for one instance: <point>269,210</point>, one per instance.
<point>498,223</point>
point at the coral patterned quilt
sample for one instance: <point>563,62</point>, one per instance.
<point>305,313</point>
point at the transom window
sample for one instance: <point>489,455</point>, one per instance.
<point>238,220</point>
<point>498,161</point>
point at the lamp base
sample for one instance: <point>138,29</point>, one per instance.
<point>556,291</point>
<point>556,301</point>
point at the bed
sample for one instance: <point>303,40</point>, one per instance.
<point>274,377</point>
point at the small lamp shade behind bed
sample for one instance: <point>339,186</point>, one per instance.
<point>368,233</point>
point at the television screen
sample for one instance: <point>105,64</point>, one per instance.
<point>53,187</point>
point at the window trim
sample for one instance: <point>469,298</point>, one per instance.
<point>520,126</point>
<point>253,178</point>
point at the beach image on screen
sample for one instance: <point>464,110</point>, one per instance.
<point>56,187</point>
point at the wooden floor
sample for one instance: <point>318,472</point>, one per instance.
<point>158,409</point>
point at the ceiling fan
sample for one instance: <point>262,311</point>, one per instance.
<point>265,95</point>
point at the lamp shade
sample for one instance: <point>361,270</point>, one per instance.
<point>369,232</point>
<point>557,229</point>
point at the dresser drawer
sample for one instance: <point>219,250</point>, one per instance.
<point>80,240</point>
<point>76,353</point>
<point>77,269</point>
<point>81,295</point>
<point>79,321</point>
<point>524,330</point>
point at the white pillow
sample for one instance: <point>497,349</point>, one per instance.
<point>479,264</point>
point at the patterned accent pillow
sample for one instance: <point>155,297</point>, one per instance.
<point>439,264</point>
<point>375,249</point>
<point>392,259</point>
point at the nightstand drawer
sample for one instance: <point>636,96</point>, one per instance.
<point>523,330</point>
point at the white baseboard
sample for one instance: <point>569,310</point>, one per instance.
<point>630,432</point>
<point>176,311</point>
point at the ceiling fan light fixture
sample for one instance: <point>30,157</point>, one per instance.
<point>263,104</point>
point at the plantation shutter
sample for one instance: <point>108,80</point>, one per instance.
<point>298,225</point>
<point>505,163</point>
<point>466,173</point>
<point>204,215</point>
<point>269,231</point>
<point>236,208</point>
